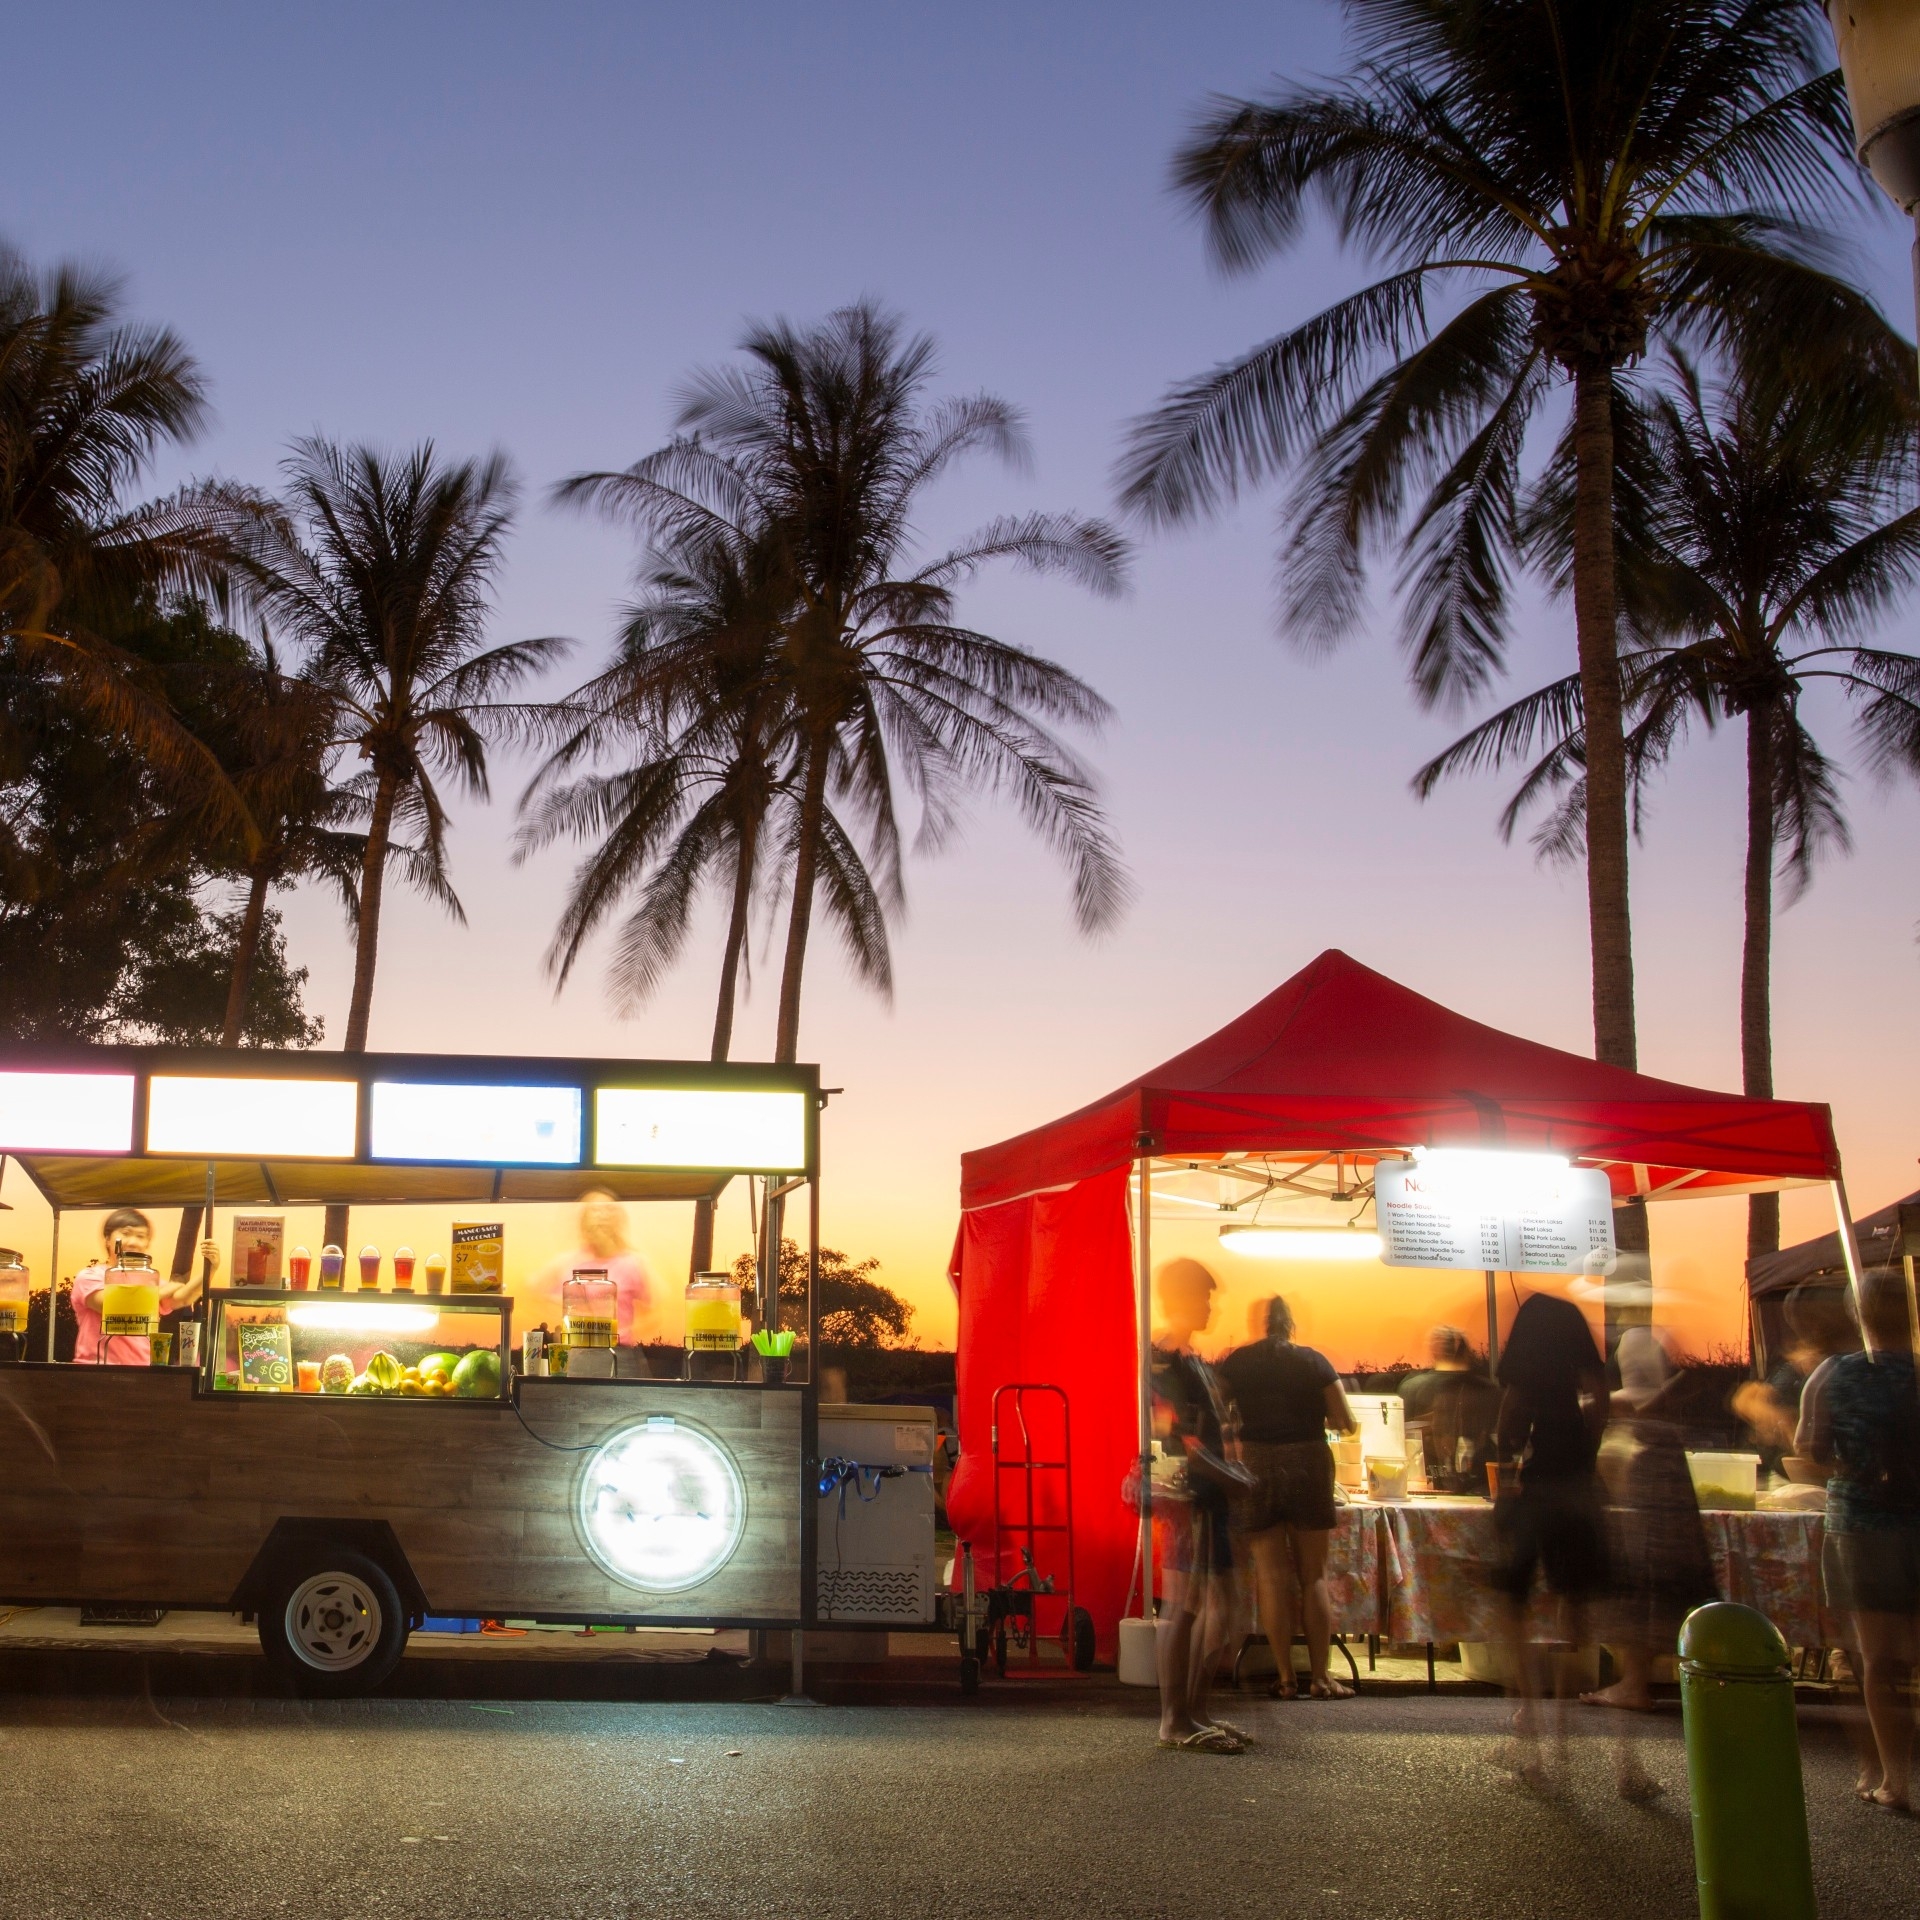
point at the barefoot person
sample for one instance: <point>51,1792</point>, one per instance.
<point>1287,1396</point>
<point>1860,1421</point>
<point>1190,1516</point>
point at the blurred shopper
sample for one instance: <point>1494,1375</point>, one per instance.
<point>1552,1412</point>
<point>1456,1405</point>
<point>604,1244</point>
<point>1659,1566</point>
<point>1818,1326</point>
<point>1859,1419</point>
<point>1191,1420</point>
<point>1285,1397</point>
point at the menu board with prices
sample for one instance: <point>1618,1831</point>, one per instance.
<point>1552,1222</point>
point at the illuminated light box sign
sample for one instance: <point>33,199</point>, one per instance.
<point>1500,1212</point>
<point>66,1112</point>
<point>662,1506</point>
<point>490,1126</point>
<point>252,1119</point>
<point>688,1127</point>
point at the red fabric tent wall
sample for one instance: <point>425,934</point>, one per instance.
<point>1045,1296</point>
<point>1339,1058</point>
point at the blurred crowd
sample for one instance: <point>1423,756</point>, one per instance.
<point>1596,1520</point>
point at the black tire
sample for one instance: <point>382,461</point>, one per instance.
<point>969,1673</point>
<point>332,1623</point>
<point>1077,1636</point>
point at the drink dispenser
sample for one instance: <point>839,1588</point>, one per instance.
<point>13,1293</point>
<point>713,1326</point>
<point>591,1308</point>
<point>129,1300</point>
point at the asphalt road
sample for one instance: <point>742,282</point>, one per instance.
<point>1018,1804</point>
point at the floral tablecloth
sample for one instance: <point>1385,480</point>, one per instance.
<point>1434,1556</point>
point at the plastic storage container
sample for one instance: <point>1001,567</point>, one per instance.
<point>1725,1482</point>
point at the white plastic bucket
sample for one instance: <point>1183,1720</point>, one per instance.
<point>1139,1665</point>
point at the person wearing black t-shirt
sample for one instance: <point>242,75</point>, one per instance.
<point>1552,1414</point>
<point>1287,1397</point>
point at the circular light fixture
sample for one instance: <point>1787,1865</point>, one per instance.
<point>1301,1243</point>
<point>662,1506</point>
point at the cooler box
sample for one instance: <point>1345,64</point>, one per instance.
<point>875,1563</point>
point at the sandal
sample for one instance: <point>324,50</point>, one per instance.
<point>1205,1740</point>
<point>1889,1802</point>
<point>1245,1738</point>
<point>1283,1690</point>
<point>1329,1689</point>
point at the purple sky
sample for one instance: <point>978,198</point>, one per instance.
<point>519,226</point>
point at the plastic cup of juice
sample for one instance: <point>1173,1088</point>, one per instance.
<point>436,1273</point>
<point>299,1269</point>
<point>309,1371</point>
<point>403,1269</point>
<point>369,1269</point>
<point>333,1269</point>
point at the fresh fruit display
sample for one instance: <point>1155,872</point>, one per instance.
<point>439,1363</point>
<point>336,1373</point>
<point>477,1377</point>
<point>385,1372</point>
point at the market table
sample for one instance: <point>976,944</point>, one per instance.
<point>1434,1556</point>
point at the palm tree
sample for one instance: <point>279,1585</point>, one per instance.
<point>86,402</point>
<point>1573,182</point>
<point>824,440</point>
<point>381,569</point>
<point>1763,539</point>
<point>695,708</point>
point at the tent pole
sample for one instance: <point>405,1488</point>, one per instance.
<point>1493,1326</point>
<point>1850,1253</point>
<point>53,1285</point>
<point>1143,1281</point>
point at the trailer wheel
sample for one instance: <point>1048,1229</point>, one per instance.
<point>332,1623</point>
<point>1077,1635</point>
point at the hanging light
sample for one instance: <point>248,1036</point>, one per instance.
<point>1302,1243</point>
<point>1879,43</point>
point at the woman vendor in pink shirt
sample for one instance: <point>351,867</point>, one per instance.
<point>603,1243</point>
<point>122,1232</point>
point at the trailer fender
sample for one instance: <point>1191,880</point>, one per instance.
<point>374,1538</point>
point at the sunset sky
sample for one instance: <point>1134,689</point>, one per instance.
<point>519,227</point>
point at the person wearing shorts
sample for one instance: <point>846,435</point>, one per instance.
<point>1860,1419</point>
<point>1286,1397</point>
<point>1553,1411</point>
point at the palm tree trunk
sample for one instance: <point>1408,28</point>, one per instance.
<point>1609,924</point>
<point>1756,957</point>
<point>366,951</point>
<point>246,950</point>
<point>702,1257</point>
<point>806,869</point>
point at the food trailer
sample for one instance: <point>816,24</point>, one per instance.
<point>344,1458</point>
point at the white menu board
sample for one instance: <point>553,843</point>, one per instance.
<point>1554,1221</point>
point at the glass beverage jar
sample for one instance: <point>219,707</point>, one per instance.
<point>129,1299</point>
<point>591,1308</point>
<point>13,1292</point>
<point>713,1314</point>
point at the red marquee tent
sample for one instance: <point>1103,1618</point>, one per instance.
<point>1338,1060</point>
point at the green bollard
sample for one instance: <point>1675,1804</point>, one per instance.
<point>1750,1856</point>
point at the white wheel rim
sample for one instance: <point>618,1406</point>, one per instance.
<point>333,1622</point>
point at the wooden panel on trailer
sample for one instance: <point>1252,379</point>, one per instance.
<point>122,1484</point>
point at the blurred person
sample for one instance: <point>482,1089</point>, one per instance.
<point>1818,1325</point>
<point>1860,1422</point>
<point>603,1242</point>
<point>1191,1419</point>
<point>1456,1403</point>
<point>1659,1565</point>
<point>128,1231</point>
<point>1285,1397</point>
<point>1553,1410</point>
